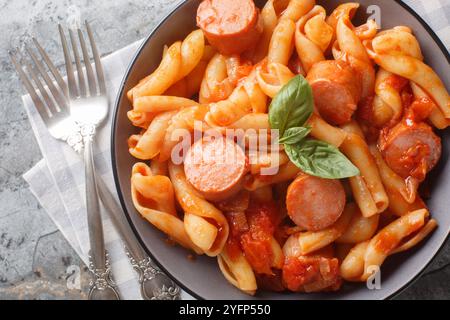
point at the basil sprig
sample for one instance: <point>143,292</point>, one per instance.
<point>289,111</point>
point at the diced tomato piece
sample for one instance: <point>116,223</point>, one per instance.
<point>258,251</point>
<point>311,274</point>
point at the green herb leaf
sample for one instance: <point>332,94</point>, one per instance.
<point>292,106</point>
<point>320,159</point>
<point>295,135</point>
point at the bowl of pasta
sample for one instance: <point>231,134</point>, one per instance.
<point>287,149</point>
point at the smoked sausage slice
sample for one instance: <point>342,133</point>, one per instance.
<point>410,149</point>
<point>216,167</point>
<point>336,89</point>
<point>231,26</point>
<point>314,203</point>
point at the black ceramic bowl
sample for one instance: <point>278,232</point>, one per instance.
<point>202,277</point>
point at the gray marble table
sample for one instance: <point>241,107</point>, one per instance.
<point>36,262</point>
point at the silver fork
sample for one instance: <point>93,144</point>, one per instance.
<point>89,108</point>
<point>55,112</point>
<point>72,116</point>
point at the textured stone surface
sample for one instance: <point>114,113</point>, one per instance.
<point>35,260</point>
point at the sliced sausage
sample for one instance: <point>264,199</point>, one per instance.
<point>314,203</point>
<point>410,149</point>
<point>231,26</point>
<point>336,89</point>
<point>216,167</point>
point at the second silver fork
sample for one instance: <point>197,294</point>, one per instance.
<point>53,107</point>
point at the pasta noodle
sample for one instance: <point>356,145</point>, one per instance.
<point>216,85</point>
<point>150,143</point>
<point>287,172</point>
<point>391,180</point>
<point>168,222</point>
<point>388,105</point>
<point>181,58</point>
<point>326,132</point>
<point>350,48</point>
<point>304,243</point>
<point>360,228</point>
<point>156,104</point>
<point>312,37</point>
<point>179,123</point>
<point>415,70</point>
<point>281,44</point>
<point>272,77</point>
<point>297,8</point>
<point>244,99</point>
<point>270,20</point>
<point>364,257</point>
<point>207,215</point>
<point>237,271</point>
<point>436,117</point>
<point>358,152</point>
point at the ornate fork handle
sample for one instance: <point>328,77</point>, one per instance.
<point>102,285</point>
<point>155,285</point>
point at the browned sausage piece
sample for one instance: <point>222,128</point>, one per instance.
<point>231,26</point>
<point>314,203</point>
<point>336,89</point>
<point>410,149</point>
<point>216,167</point>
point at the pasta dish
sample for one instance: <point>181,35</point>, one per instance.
<point>288,143</point>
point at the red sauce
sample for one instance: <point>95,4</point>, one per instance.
<point>386,242</point>
<point>396,82</point>
<point>319,273</point>
<point>365,109</point>
<point>415,158</point>
<point>407,97</point>
<point>256,243</point>
<point>254,240</point>
<point>296,273</point>
<point>420,109</point>
<point>365,115</point>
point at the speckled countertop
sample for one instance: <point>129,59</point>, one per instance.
<point>35,259</point>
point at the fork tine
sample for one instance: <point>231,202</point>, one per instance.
<point>87,63</point>
<point>52,68</point>
<point>59,98</point>
<point>98,63</point>
<point>40,106</point>
<point>48,100</point>
<point>76,56</point>
<point>73,89</point>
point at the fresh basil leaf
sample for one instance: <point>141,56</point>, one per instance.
<point>320,159</point>
<point>295,135</point>
<point>292,106</point>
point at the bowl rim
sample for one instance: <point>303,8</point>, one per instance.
<point>120,94</point>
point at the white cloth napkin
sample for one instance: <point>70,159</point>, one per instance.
<point>57,181</point>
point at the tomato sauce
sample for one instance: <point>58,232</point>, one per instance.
<point>396,82</point>
<point>254,239</point>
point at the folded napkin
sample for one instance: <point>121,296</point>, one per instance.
<point>58,180</point>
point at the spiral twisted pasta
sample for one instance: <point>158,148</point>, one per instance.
<point>359,264</point>
<point>180,59</point>
<point>397,52</point>
<point>312,37</point>
<point>153,197</point>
